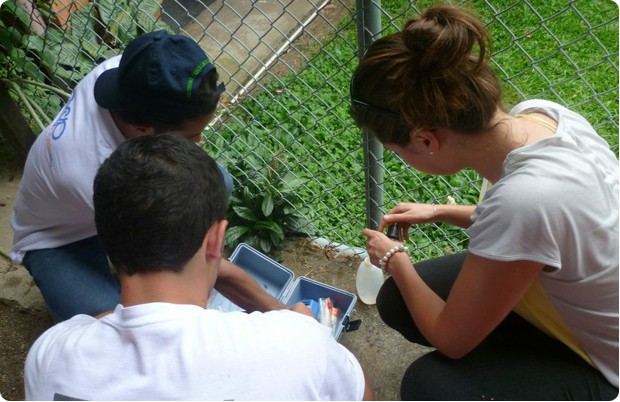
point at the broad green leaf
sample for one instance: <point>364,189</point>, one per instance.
<point>66,74</point>
<point>95,50</point>
<point>11,36</point>
<point>18,56</point>
<point>271,226</point>
<point>275,238</point>
<point>54,36</point>
<point>247,195</point>
<point>6,39</point>
<point>245,213</point>
<point>254,162</point>
<point>291,183</point>
<point>146,22</point>
<point>267,205</point>
<point>85,63</point>
<point>68,53</point>
<point>13,9</point>
<point>265,245</point>
<point>233,233</point>
<point>159,25</point>
<point>133,9</point>
<point>33,71</point>
<point>253,241</point>
<point>297,224</point>
<point>123,26</point>
<point>49,59</point>
<point>234,200</point>
<point>106,10</point>
<point>83,25</point>
<point>148,7</point>
<point>33,43</point>
<point>109,53</point>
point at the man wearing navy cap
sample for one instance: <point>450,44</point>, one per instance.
<point>162,83</point>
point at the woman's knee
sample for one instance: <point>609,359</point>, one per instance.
<point>427,380</point>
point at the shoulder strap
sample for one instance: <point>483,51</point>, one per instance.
<point>538,120</point>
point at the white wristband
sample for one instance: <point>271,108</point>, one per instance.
<point>383,261</point>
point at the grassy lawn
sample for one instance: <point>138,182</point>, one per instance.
<point>571,57</point>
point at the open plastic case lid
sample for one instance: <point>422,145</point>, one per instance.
<point>276,280</point>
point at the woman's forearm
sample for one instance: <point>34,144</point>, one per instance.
<point>423,304</point>
<point>457,215</point>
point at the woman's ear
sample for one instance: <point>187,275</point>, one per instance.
<point>427,141</point>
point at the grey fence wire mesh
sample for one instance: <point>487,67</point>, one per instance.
<point>283,126</point>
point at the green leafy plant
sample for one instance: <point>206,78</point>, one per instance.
<point>59,58</point>
<point>263,208</point>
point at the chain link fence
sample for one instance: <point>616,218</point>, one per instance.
<point>283,129</point>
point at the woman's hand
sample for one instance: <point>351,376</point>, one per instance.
<point>407,214</point>
<point>378,245</point>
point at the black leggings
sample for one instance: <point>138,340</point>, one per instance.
<point>515,362</point>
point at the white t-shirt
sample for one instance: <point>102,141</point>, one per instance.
<point>54,205</point>
<point>162,351</point>
<point>557,204</point>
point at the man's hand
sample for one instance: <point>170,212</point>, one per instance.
<point>240,288</point>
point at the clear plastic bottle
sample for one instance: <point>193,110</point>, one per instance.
<point>368,281</point>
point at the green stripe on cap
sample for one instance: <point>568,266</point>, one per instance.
<point>190,82</point>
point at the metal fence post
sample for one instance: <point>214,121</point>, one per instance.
<point>368,30</point>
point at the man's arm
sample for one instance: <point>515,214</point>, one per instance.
<point>369,394</point>
<point>240,288</point>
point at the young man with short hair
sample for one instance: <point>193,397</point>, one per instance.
<point>162,83</point>
<point>160,213</point>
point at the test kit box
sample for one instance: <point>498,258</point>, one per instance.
<point>277,280</point>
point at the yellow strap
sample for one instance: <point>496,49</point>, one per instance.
<point>536,308</point>
<point>538,120</point>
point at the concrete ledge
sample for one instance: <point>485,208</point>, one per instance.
<point>17,288</point>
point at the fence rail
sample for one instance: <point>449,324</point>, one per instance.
<point>283,128</point>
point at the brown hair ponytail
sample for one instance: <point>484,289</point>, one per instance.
<point>429,74</point>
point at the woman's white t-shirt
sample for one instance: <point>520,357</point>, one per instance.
<point>557,204</point>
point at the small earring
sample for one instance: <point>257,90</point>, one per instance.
<point>432,153</point>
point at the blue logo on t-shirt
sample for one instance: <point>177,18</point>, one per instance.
<point>58,129</point>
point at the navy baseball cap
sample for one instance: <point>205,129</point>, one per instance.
<point>158,77</point>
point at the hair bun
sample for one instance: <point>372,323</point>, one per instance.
<point>443,37</point>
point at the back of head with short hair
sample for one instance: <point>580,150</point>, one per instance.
<point>155,199</point>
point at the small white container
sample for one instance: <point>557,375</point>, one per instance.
<point>368,281</point>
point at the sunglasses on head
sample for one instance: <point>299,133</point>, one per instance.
<point>358,104</point>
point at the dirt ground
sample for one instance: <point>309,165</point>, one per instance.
<point>18,331</point>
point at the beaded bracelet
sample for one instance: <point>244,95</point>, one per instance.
<point>383,261</point>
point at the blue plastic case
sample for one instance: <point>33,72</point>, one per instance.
<point>276,280</point>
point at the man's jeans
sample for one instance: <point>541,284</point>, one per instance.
<point>76,278</point>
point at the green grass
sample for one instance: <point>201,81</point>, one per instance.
<point>306,112</point>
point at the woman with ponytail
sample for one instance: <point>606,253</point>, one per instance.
<point>530,311</point>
